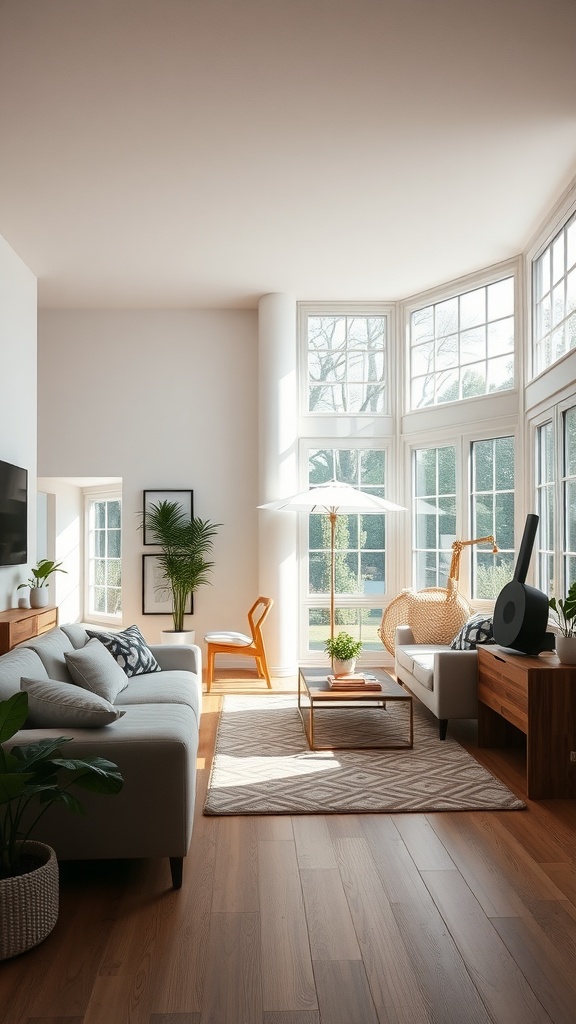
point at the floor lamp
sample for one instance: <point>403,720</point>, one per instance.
<point>334,499</point>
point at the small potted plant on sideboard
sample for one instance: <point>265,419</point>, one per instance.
<point>38,582</point>
<point>564,611</point>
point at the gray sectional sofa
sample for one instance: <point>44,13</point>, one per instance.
<point>154,741</point>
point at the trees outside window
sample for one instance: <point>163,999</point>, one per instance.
<point>346,364</point>
<point>492,513</point>
<point>463,346</point>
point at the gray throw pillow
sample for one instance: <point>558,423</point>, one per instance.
<point>93,668</point>
<point>56,705</point>
<point>130,650</point>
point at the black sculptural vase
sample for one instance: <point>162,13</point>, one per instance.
<point>521,612</point>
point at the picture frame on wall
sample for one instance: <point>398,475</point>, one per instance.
<point>183,498</point>
<point>156,594</point>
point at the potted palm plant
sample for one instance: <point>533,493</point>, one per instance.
<point>564,610</point>
<point>32,778</point>
<point>38,582</point>
<point>343,649</point>
<point>185,542</point>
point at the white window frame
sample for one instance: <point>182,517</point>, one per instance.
<point>537,338</point>
<point>90,495</point>
<point>350,309</point>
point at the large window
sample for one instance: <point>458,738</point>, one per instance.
<point>434,514</point>
<point>104,562</point>
<point>346,364</point>
<point>360,546</point>
<point>569,500</point>
<point>545,505</point>
<point>554,290</point>
<point>463,346</point>
<point>492,514</point>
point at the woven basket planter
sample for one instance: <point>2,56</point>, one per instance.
<point>29,903</point>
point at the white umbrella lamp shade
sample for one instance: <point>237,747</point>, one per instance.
<point>334,499</point>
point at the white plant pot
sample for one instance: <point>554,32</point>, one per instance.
<point>566,649</point>
<point>343,668</point>
<point>39,597</point>
<point>185,636</point>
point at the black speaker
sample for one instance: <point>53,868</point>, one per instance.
<point>521,612</point>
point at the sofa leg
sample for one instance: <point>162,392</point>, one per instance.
<point>443,727</point>
<point>176,866</point>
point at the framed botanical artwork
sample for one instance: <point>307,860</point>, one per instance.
<point>183,498</point>
<point>156,593</point>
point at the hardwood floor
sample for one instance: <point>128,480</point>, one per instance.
<point>446,918</point>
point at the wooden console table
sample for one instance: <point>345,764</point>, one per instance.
<point>536,696</point>
<point>18,624</point>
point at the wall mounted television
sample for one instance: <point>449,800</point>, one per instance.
<point>13,514</point>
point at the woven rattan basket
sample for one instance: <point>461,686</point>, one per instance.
<point>434,614</point>
<point>29,903</point>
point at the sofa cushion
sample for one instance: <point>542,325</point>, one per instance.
<point>477,630</point>
<point>423,670</point>
<point>17,663</point>
<point>172,687</point>
<point>56,705</point>
<point>50,648</point>
<point>94,668</point>
<point>130,650</point>
<point>75,633</point>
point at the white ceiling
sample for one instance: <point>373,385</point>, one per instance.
<point>200,153</point>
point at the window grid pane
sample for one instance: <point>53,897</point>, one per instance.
<point>545,506</point>
<point>434,515</point>
<point>104,557</point>
<point>463,346</point>
<point>492,497</point>
<point>347,364</point>
<point>568,502</point>
<point>554,329</point>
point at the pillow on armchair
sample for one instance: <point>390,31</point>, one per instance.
<point>477,630</point>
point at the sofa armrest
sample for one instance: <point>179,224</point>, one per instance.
<point>403,636</point>
<point>456,683</point>
<point>183,657</point>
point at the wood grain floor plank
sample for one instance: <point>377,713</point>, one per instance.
<point>422,843</point>
<point>119,997</point>
<point>287,977</point>
<point>342,826</point>
<point>236,870</point>
<point>313,842</point>
<point>330,928</point>
<point>448,991</point>
<point>181,951</point>
<point>398,873</point>
<point>496,975</point>
<point>275,826</point>
<point>55,1020</point>
<point>564,878</point>
<point>558,922</point>
<point>496,868</point>
<point>232,990</point>
<point>393,981</point>
<point>175,1018</point>
<point>344,993</point>
<point>291,1017</point>
<point>550,977</point>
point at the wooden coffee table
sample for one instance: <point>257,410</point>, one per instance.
<point>314,692</point>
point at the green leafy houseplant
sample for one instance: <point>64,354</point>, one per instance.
<point>565,611</point>
<point>35,776</point>
<point>44,568</point>
<point>185,542</point>
<point>343,647</point>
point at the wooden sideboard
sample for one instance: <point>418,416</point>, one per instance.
<point>537,697</point>
<point>18,624</point>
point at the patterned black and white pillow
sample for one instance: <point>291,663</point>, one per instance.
<point>130,650</point>
<point>477,630</point>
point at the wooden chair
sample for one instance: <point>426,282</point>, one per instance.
<point>227,642</point>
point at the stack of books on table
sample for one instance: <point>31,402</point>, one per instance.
<point>355,681</point>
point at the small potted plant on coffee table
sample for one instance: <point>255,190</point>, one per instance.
<point>343,649</point>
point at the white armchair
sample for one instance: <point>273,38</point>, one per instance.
<point>446,681</point>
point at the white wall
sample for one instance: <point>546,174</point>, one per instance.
<point>162,399</point>
<point>18,395</point>
<point>64,503</point>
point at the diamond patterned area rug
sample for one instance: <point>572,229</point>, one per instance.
<point>262,763</point>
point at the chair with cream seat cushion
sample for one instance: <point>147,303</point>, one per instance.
<point>230,642</point>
